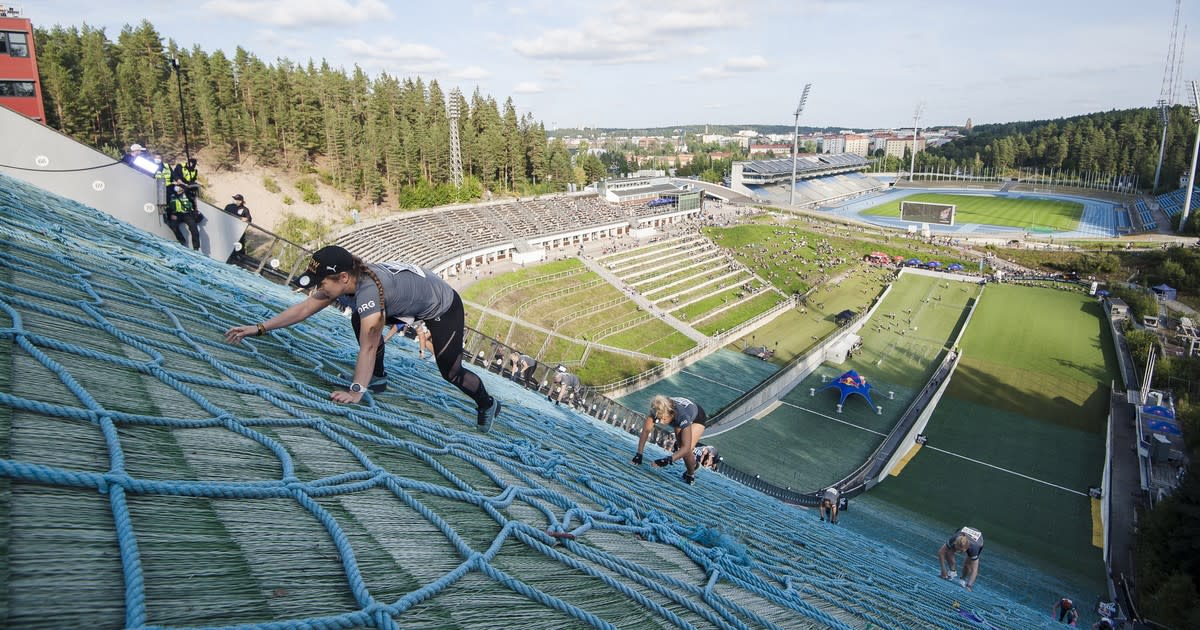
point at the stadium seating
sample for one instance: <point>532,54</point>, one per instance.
<point>1144,215</point>
<point>1172,202</point>
<point>821,190</point>
<point>427,237</point>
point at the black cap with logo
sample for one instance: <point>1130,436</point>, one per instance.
<point>327,261</point>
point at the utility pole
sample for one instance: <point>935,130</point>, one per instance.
<point>187,152</point>
<point>1191,177</point>
<point>796,141</point>
<point>912,168</point>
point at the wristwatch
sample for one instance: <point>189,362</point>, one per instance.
<point>357,388</point>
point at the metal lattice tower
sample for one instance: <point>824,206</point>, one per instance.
<point>795,140</point>
<point>1177,89</point>
<point>456,170</point>
<point>912,167</point>
<point>1167,92</point>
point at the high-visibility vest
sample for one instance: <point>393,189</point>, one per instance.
<point>181,205</point>
<point>189,175</point>
<point>164,173</point>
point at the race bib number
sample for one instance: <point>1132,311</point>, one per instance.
<point>972,533</point>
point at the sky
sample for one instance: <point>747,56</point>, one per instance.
<point>651,63</point>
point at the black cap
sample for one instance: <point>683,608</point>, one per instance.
<point>326,261</point>
<point>238,197</point>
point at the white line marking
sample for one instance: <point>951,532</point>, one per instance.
<point>828,417</point>
<point>940,450</point>
<point>1011,472</point>
<point>705,378</point>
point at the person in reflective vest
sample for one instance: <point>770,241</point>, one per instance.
<point>180,212</point>
<point>186,175</point>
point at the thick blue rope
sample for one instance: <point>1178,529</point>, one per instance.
<point>733,546</point>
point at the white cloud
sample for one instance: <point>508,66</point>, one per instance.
<point>735,65</point>
<point>290,42</point>
<point>471,73</point>
<point>633,32</point>
<point>527,87</point>
<point>390,49</point>
<point>302,13</point>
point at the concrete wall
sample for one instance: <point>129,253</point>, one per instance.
<point>43,157</point>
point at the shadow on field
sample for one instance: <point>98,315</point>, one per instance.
<point>979,387</point>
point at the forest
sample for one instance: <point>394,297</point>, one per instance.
<point>1113,142</point>
<point>381,140</point>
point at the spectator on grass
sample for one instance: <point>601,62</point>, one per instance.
<point>966,540</point>
<point>568,386</point>
<point>688,421</point>
<point>829,505</point>
<point>1064,609</point>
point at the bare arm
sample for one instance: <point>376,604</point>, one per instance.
<point>293,314</point>
<point>646,429</point>
<point>369,337</point>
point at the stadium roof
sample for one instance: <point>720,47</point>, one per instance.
<point>637,192</point>
<point>804,164</point>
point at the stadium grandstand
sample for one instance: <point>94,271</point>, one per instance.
<point>459,237</point>
<point>1172,203</point>
<point>1145,218</point>
<point>820,179</point>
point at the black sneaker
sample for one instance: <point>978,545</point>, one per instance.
<point>487,416</point>
<point>689,478</point>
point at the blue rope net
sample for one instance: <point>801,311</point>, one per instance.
<point>152,476</point>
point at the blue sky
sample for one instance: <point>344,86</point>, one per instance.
<point>623,63</point>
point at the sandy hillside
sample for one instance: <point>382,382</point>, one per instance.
<point>269,208</point>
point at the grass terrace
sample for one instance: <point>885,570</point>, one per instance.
<point>794,332</point>
<point>1037,215</point>
<point>578,306</point>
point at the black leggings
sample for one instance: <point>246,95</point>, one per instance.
<point>176,223</point>
<point>446,335</point>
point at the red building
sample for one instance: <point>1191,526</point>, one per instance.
<point>20,89</point>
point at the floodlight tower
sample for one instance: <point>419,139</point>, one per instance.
<point>912,168</point>
<point>1164,118</point>
<point>1191,178</point>
<point>796,140</point>
<point>1166,94</point>
<point>456,169</point>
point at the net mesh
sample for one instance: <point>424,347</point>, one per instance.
<point>153,476</point>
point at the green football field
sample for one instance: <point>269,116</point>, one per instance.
<point>1019,436</point>
<point>1036,215</point>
